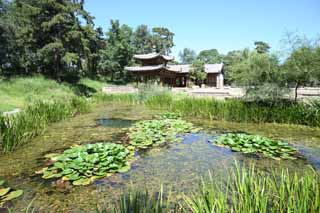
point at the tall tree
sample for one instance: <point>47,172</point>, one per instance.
<point>302,65</point>
<point>142,40</point>
<point>162,40</point>
<point>187,56</point>
<point>118,52</point>
<point>210,56</point>
<point>262,47</point>
<point>51,36</point>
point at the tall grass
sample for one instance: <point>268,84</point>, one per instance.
<point>236,110</point>
<point>248,190</point>
<point>19,128</point>
<point>244,190</point>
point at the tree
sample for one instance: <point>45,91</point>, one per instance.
<point>261,75</point>
<point>162,40</point>
<point>118,52</point>
<point>197,72</point>
<point>142,40</point>
<point>50,37</point>
<point>210,56</point>
<point>302,64</point>
<point>187,56</point>
<point>262,47</point>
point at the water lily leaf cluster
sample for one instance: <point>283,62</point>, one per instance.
<point>81,165</point>
<point>258,145</point>
<point>8,194</point>
<point>163,129</point>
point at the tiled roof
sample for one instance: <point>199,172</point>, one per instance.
<point>153,56</point>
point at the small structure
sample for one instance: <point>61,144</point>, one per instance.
<point>155,65</point>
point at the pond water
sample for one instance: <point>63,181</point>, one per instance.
<point>177,167</point>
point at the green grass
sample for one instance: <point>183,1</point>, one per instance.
<point>19,92</point>
<point>18,129</point>
<point>94,84</point>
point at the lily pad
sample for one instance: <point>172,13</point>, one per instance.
<point>81,165</point>
<point>12,195</point>
<point>257,144</point>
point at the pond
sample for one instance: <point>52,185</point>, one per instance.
<point>177,167</point>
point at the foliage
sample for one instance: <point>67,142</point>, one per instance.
<point>164,129</point>
<point>187,56</point>
<point>248,190</point>
<point>302,65</point>
<point>210,56</point>
<point>17,129</point>
<point>118,52</point>
<point>197,72</point>
<point>258,71</point>
<point>54,38</point>
<point>162,40</point>
<point>257,144</point>
<point>262,47</point>
<point>8,194</point>
<point>83,164</point>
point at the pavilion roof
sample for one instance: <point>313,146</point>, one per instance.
<point>145,68</point>
<point>153,56</point>
<point>183,68</point>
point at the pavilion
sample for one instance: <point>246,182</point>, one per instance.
<point>155,65</point>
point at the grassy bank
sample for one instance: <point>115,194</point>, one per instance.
<point>18,129</point>
<point>23,91</point>
<point>230,110</point>
<point>43,102</point>
<point>245,190</point>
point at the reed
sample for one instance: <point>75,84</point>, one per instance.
<point>19,128</point>
<point>249,190</point>
<point>245,189</point>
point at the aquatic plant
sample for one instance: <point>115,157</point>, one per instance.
<point>83,164</point>
<point>257,144</point>
<point>143,202</point>
<point>8,194</point>
<point>19,128</point>
<point>164,128</point>
<point>248,190</point>
<point>237,110</point>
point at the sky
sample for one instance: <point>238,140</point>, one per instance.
<point>221,24</point>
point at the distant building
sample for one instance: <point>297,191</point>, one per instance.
<point>156,66</point>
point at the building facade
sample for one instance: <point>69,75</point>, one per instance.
<point>156,66</point>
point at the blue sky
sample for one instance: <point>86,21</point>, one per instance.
<point>222,24</point>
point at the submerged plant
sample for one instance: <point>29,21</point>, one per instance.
<point>8,194</point>
<point>83,164</point>
<point>258,145</point>
<point>165,128</point>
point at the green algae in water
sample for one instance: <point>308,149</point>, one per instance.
<point>83,164</point>
<point>257,144</point>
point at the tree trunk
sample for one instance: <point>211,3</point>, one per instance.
<point>296,92</point>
